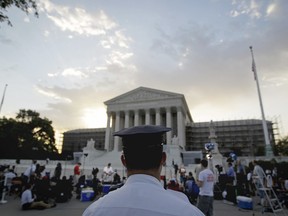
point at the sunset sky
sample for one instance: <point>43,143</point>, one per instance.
<point>79,54</point>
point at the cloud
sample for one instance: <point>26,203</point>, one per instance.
<point>52,94</point>
<point>82,102</point>
<point>77,20</point>
<point>208,62</point>
<point>116,53</point>
<point>242,7</point>
<point>117,39</point>
<point>74,72</point>
<point>271,9</point>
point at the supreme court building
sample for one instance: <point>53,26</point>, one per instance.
<point>143,106</point>
<point>146,106</point>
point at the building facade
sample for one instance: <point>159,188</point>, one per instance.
<point>146,106</point>
<point>244,137</point>
<point>76,140</point>
<point>155,107</point>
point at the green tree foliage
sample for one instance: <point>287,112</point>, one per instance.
<point>27,136</point>
<point>281,147</point>
<point>24,5</point>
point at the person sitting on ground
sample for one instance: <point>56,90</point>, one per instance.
<point>63,190</point>
<point>42,189</point>
<point>143,194</point>
<point>81,184</point>
<point>97,187</point>
<point>28,202</point>
<point>9,176</point>
<point>116,177</point>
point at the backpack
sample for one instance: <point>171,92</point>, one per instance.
<point>192,188</point>
<point>195,189</point>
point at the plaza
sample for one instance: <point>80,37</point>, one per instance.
<point>76,207</point>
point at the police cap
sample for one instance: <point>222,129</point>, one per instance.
<point>142,137</point>
<point>143,129</point>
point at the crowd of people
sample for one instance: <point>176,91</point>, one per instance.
<point>38,189</point>
<point>186,193</point>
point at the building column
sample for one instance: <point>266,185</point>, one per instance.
<point>117,128</point>
<point>169,124</point>
<point>126,121</point>
<point>107,132</point>
<point>157,116</point>
<point>180,127</point>
<point>136,117</point>
<point>147,117</point>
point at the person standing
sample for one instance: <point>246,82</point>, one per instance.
<point>259,179</point>
<point>30,171</point>
<point>143,194</point>
<point>108,173</point>
<point>77,173</point>
<point>182,173</point>
<point>191,188</point>
<point>58,171</point>
<point>175,170</point>
<point>231,174</point>
<point>206,184</point>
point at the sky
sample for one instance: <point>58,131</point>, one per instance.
<point>78,54</point>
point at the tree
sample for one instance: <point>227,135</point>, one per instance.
<point>24,5</point>
<point>28,135</point>
<point>281,147</point>
<point>8,140</point>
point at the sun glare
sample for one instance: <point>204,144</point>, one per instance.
<point>94,118</point>
<point>58,140</point>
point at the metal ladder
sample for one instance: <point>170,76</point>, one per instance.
<point>269,194</point>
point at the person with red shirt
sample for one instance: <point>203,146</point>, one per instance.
<point>77,172</point>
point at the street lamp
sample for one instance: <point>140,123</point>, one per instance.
<point>67,157</point>
<point>85,155</point>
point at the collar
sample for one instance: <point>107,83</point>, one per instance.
<point>142,178</point>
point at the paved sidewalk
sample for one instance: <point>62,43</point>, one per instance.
<point>75,207</point>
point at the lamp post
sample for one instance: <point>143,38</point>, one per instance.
<point>268,148</point>
<point>2,101</point>
<point>68,156</point>
<point>85,155</point>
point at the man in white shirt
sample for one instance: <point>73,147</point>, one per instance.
<point>259,178</point>
<point>28,202</point>
<point>108,173</point>
<point>206,185</point>
<point>8,179</point>
<point>29,171</point>
<point>143,194</point>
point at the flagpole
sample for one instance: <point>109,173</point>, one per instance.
<point>2,101</point>
<point>268,148</point>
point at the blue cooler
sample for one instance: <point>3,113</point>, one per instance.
<point>105,188</point>
<point>244,202</point>
<point>86,195</point>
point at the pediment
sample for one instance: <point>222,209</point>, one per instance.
<point>143,94</point>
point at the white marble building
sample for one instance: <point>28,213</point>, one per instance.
<point>146,106</point>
